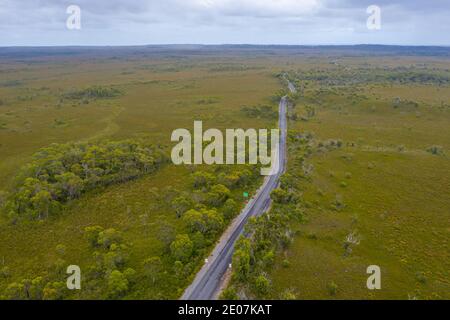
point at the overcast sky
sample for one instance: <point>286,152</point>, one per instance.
<point>130,22</point>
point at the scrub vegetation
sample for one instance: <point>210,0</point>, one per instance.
<point>366,184</point>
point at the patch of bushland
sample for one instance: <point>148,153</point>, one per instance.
<point>94,92</point>
<point>261,111</point>
<point>63,172</point>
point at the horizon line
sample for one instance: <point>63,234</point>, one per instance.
<point>224,44</point>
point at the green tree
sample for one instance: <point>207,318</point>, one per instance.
<point>41,203</point>
<point>204,221</point>
<point>108,237</point>
<point>165,233</point>
<point>280,196</point>
<point>218,195</point>
<point>54,291</point>
<point>15,291</point>
<point>36,288</point>
<point>92,234</point>
<point>117,284</point>
<point>230,208</point>
<point>202,179</point>
<point>262,285</point>
<point>70,185</point>
<point>229,294</point>
<point>182,248</point>
<point>181,205</point>
<point>153,267</point>
<point>130,274</point>
<point>241,259</point>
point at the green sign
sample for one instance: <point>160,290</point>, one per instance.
<point>246,194</point>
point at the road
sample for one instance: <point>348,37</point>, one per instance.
<point>207,283</point>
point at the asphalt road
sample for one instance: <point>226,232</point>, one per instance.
<point>207,283</point>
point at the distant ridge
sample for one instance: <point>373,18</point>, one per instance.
<point>199,49</point>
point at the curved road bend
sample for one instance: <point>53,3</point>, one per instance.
<point>206,284</point>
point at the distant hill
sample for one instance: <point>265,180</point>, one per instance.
<point>117,52</point>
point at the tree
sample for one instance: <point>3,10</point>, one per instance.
<point>230,208</point>
<point>165,233</point>
<point>36,288</point>
<point>70,185</point>
<point>92,234</point>
<point>178,269</point>
<point>241,259</point>
<point>182,248</point>
<point>280,196</point>
<point>231,180</point>
<point>204,221</point>
<point>194,220</point>
<point>54,291</point>
<point>181,205</point>
<point>109,237</point>
<point>15,291</point>
<point>112,260</point>
<point>229,294</point>
<point>202,179</point>
<point>130,275</point>
<point>41,203</point>
<point>117,284</point>
<point>218,195</point>
<point>153,267</point>
<point>262,285</point>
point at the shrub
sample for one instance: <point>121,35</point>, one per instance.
<point>61,249</point>
<point>229,294</point>
<point>332,288</point>
<point>288,295</point>
<point>5,272</point>
<point>436,150</point>
<point>420,277</point>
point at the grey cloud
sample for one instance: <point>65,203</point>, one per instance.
<point>31,22</point>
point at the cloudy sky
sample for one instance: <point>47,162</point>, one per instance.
<point>130,22</point>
